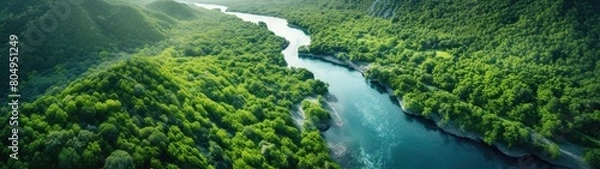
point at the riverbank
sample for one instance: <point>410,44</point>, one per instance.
<point>291,25</point>
<point>360,67</point>
<point>566,158</point>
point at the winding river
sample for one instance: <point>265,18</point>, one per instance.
<point>371,131</point>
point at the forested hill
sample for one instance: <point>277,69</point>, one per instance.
<point>511,71</point>
<point>78,28</point>
<point>211,92</point>
<point>65,35</point>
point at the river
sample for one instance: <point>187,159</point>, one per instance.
<point>371,131</point>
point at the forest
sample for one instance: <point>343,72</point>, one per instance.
<point>159,84</point>
<point>514,72</point>
<point>162,85</point>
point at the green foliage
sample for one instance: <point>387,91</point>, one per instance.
<point>109,132</point>
<point>214,93</point>
<point>315,115</point>
<point>90,153</point>
<point>593,157</point>
<point>55,114</point>
<point>104,23</point>
<point>553,151</point>
<point>315,151</point>
<point>173,9</point>
<point>71,36</point>
<point>502,69</point>
<point>119,159</point>
<point>69,158</point>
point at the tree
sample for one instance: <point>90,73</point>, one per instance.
<point>113,105</point>
<point>55,140</point>
<point>109,132</point>
<point>87,108</point>
<point>158,139</point>
<point>71,107</point>
<point>412,103</point>
<point>54,114</point>
<point>119,159</point>
<point>592,156</point>
<point>553,150</point>
<point>100,107</point>
<point>91,153</point>
<point>203,102</point>
<point>69,158</point>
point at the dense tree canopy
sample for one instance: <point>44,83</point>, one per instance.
<point>503,69</point>
<point>215,93</point>
<point>167,86</point>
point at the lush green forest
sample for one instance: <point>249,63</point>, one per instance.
<point>67,37</point>
<point>514,72</point>
<point>143,84</point>
<point>316,116</point>
<point>166,86</point>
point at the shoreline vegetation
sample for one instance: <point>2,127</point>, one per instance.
<point>504,70</point>
<point>291,25</point>
<point>164,85</point>
<point>565,159</point>
<point>360,67</point>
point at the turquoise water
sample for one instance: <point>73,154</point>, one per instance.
<point>370,129</point>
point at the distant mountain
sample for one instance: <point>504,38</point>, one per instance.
<point>60,33</point>
<point>54,32</point>
<point>173,9</point>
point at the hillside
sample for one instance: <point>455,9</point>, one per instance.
<point>86,27</point>
<point>163,112</point>
<point>509,71</point>
<point>211,92</point>
<point>55,34</point>
<point>173,9</point>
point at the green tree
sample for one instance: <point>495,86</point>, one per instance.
<point>109,131</point>
<point>592,156</point>
<point>55,114</point>
<point>91,153</point>
<point>158,139</point>
<point>69,158</point>
<point>119,159</point>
